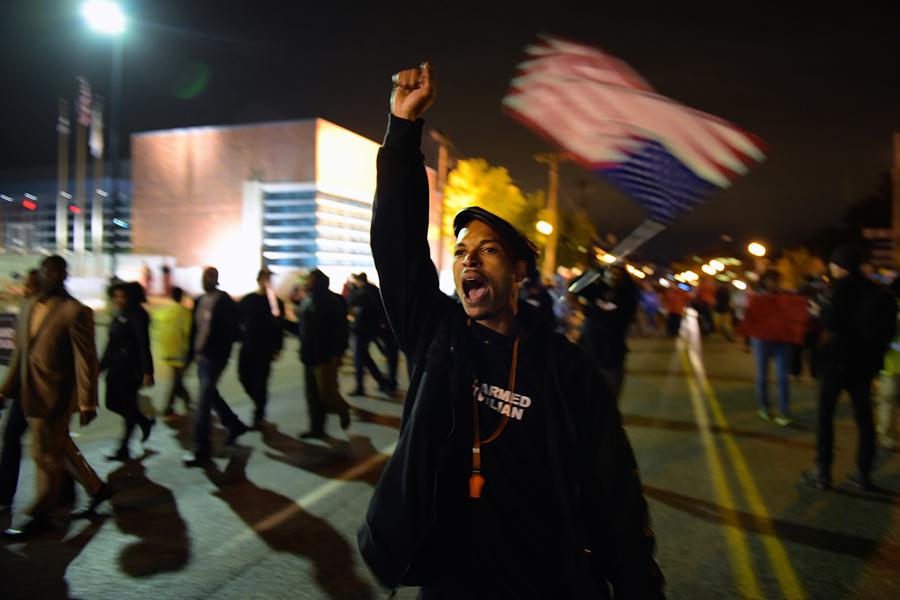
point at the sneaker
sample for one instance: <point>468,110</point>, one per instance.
<point>196,460</point>
<point>817,479</point>
<point>233,434</point>
<point>764,415</point>
<point>861,482</point>
<point>120,455</point>
<point>358,392</point>
<point>345,420</point>
<point>103,494</point>
<point>313,435</point>
<point>146,428</point>
<point>784,421</point>
<point>35,527</point>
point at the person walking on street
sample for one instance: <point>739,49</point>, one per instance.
<point>365,306</point>
<point>888,396</point>
<point>609,308</point>
<point>859,319</point>
<point>723,312</point>
<point>128,363</point>
<point>512,475</point>
<point>17,424</point>
<point>54,374</point>
<point>324,334</point>
<point>171,329</point>
<point>213,333</point>
<point>767,345</point>
<point>262,338</point>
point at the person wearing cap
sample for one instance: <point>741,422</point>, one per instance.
<point>262,338</point>
<point>853,349</point>
<point>512,475</point>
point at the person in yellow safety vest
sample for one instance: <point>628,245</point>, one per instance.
<point>172,337</point>
<point>888,394</point>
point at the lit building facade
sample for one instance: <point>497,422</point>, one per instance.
<point>292,196</point>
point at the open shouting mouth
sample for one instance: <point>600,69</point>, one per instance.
<point>475,288</point>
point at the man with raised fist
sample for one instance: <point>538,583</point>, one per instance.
<point>512,477</point>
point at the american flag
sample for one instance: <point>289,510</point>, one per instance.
<point>666,156</point>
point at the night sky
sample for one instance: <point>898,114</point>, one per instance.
<point>822,90</point>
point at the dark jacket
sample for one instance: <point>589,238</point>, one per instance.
<point>848,348</point>
<point>603,332</point>
<point>127,351</point>
<point>365,302</point>
<point>260,331</point>
<point>603,508</point>
<point>223,330</point>
<point>323,329</point>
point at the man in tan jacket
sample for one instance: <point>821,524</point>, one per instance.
<point>54,373</point>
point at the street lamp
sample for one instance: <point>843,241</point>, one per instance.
<point>544,227</point>
<point>756,249</point>
<point>106,17</point>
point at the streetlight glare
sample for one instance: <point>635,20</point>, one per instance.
<point>544,227</point>
<point>708,269</point>
<point>739,284</point>
<point>717,265</point>
<point>104,16</point>
<point>756,249</point>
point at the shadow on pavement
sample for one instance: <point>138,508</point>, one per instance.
<point>367,416</point>
<point>37,569</point>
<point>688,426</point>
<point>147,510</point>
<point>286,527</point>
<point>353,460</point>
<point>878,553</point>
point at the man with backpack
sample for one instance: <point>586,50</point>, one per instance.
<point>859,321</point>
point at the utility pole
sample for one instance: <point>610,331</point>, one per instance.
<point>445,147</point>
<point>552,160</point>
<point>895,179</point>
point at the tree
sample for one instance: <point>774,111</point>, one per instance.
<point>797,264</point>
<point>474,182</point>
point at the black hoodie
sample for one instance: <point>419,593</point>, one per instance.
<point>576,491</point>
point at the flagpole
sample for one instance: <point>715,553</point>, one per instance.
<point>99,194</point>
<point>116,109</point>
<point>62,178</point>
<point>84,116</point>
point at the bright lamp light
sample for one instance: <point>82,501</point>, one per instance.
<point>756,249</point>
<point>104,16</point>
<point>544,227</point>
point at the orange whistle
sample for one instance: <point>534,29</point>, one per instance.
<point>476,482</point>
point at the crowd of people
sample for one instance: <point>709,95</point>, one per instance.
<point>56,368</point>
<point>512,382</point>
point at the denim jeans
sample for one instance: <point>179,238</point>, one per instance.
<point>780,352</point>
<point>209,373</point>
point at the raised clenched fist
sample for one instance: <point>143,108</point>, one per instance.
<point>414,91</point>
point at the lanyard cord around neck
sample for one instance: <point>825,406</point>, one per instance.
<point>476,480</point>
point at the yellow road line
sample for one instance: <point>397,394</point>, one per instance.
<point>738,551</point>
<point>777,554</point>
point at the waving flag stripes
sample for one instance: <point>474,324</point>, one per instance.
<point>666,156</point>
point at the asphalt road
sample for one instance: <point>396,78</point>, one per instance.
<point>278,516</point>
